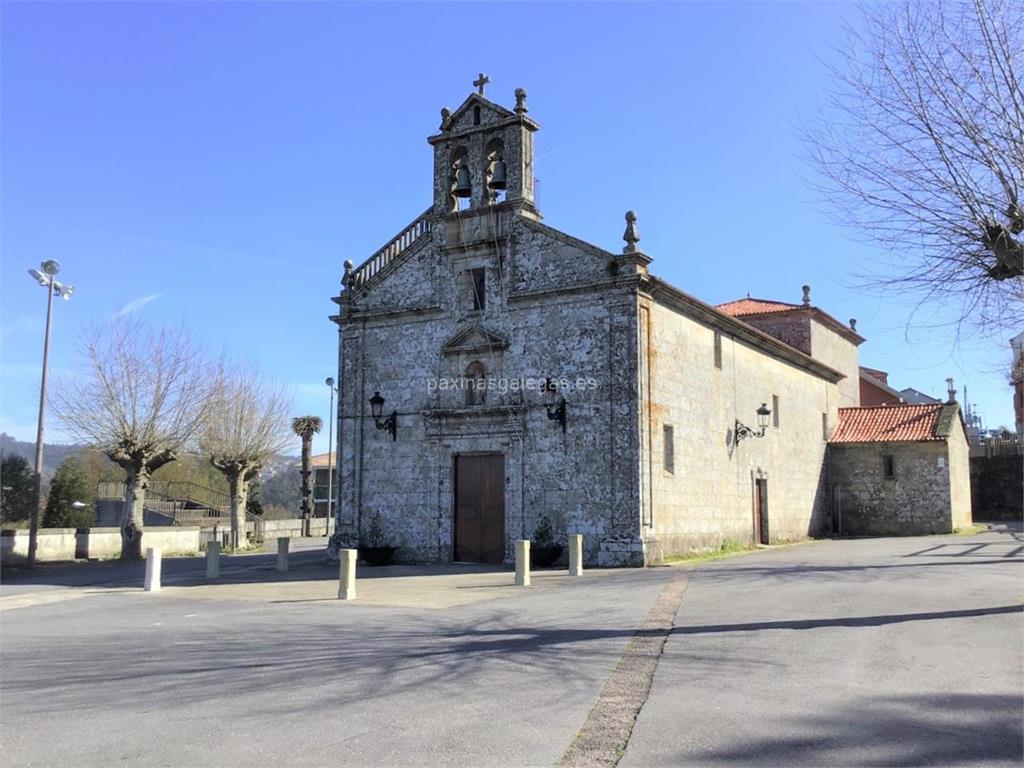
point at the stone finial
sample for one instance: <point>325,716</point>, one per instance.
<point>521,101</point>
<point>631,235</point>
<point>480,82</point>
<point>807,295</point>
<point>346,279</point>
<point>446,118</point>
<point>951,389</point>
<point>853,324</point>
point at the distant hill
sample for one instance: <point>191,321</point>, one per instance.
<point>53,453</point>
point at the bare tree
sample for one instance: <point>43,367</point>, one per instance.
<point>248,424</point>
<point>921,147</point>
<point>305,427</point>
<point>141,400</point>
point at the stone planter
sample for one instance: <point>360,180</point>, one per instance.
<point>375,556</point>
<point>545,557</point>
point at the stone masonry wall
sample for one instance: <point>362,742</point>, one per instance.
<point>959,476</point>
<point>996,487</point>
<point>915,502</point>
<point>839,353</point>
<point>708,499</point>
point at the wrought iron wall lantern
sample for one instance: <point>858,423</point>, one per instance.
<point>390,423</point>
<point>555,408</point>
<point>742,430</point>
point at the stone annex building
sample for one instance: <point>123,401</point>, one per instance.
<point>494,371</point>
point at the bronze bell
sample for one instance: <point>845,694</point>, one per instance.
<point>498,176</point>
<point>463,182</point>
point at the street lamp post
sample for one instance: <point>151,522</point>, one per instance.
<point>330,456</point>
<point>45,278</point>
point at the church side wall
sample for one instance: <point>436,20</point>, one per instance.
<point>839,353</point>
<point>708,499</point>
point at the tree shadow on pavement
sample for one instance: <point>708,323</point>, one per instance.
<point>908,730</point>
<point>848,621</point>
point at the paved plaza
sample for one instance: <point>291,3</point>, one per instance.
<point>861,652</point>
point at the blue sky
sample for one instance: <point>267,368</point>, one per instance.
<point>215,163</point>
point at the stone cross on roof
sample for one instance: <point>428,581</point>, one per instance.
<point>480,82</point>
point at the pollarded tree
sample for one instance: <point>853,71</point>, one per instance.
<point>142,398</point>
<point>921,147</point>
<point>305,427</point>
<point>248,424</point>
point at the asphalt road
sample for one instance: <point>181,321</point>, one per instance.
<point>874,652</point>
<point>871,652</point>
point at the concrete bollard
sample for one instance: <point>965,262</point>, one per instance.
<point>347,574</point>
<point>523,563</point>
<point>153,557</point>
<point>213,560</point>
<point>576,554</point>
<point>282,553</point>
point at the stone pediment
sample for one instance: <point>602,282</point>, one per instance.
<point>474,340</point>
<point>475,99</point>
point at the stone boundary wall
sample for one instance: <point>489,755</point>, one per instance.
<point>292,528</point>
<point>56,544</point>
<point>997,487</point>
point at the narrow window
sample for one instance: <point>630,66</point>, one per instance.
<point>476,115</point>
<point>669,448</point>
<point>476,383</point>
<point>888,467</point>
<point>478,288</point>
<point>775,411</point>
<point>718,350</point>
<point>824,426</point>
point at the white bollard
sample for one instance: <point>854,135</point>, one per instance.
<point>213,560</point>
<point>523,563</point>
<point>282,553</point>
<point>152,570</point>
<point>347,574</point>
<point>576,554</point>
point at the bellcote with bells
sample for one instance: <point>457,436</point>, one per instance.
<point>483,155</point>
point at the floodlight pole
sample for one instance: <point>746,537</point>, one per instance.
<point>33,526</point>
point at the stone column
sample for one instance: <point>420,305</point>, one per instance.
<point>523,563</point>
<point>576,554</point>
<point>282,553</point>
<point>153,561</point>
<point>347,574</point>
<point>213,560</point>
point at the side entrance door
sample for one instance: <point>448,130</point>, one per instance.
<point>761,511</point>
<point>480,508</point>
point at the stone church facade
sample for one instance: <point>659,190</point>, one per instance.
<point>494,371</point>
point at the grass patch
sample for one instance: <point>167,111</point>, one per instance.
<point>971,530</point>
<point>728,548</point>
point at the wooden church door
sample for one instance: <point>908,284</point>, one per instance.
<point>480,508</point>
<point>761,511</point>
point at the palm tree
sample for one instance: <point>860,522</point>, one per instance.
<point>305,427</point>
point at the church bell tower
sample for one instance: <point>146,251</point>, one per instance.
<point>483,156</point>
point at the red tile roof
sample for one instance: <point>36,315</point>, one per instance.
<point>890,423</point>
<point>749,306</point>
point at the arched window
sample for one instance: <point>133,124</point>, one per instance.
<point>495,171</point>
<point>476,383</point>
<point>460,180</point>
